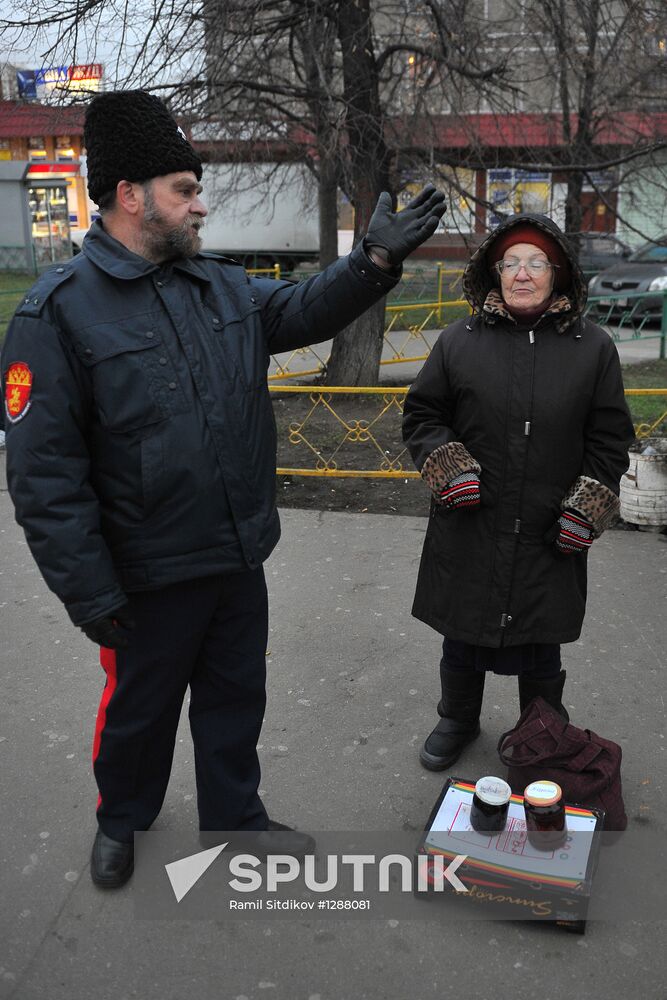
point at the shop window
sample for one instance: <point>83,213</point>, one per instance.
<point>511,191</point>
<point>50,224</point>
<point>64,150</point>
<point>36,148</point>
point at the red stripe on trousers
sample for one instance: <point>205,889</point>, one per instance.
<point>108,662</point>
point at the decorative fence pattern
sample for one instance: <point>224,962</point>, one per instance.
<point>340,431</point>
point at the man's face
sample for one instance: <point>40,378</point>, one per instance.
<point>173,216</point>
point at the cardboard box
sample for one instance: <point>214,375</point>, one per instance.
<point>503,872</point>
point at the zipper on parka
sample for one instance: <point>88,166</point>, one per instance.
<point>506,618</point>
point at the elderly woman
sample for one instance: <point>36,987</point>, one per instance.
<point>519,426</point>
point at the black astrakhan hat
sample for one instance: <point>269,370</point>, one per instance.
<point>130,136</point>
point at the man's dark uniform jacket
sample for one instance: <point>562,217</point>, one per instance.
<point>146,452</point>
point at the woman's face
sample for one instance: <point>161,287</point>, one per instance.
<point>522,291</point>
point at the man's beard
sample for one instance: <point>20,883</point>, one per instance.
<point>162,243</point>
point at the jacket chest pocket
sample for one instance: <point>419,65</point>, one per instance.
<point>133,378</point>
<point>237,330</point>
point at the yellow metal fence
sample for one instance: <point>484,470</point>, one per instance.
<point>406,322</point>
<point>340,431</point>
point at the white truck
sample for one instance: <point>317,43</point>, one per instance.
<point>261,214</point>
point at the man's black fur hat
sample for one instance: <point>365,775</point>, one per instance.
<point>130,136</point>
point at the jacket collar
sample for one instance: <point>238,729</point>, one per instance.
<point>494,308</point>
<point>115,259</point>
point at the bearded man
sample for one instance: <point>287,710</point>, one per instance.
<point>141,460</point>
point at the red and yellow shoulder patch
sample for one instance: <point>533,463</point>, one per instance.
<point>18,386</point>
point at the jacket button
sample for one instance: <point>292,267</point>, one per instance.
<point>253,300</point>
<point>150,335</point>
<point>88,352</point>
<point>215,321</point>
<point>163,361</point>
<point>60,270</point>
<point>160,284</point>
<point>172,385</point>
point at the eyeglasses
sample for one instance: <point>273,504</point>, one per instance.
<point>534,267</point>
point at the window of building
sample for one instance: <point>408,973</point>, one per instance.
<point>511,191</point>
<point>64,150</point>
<point>36,148</point>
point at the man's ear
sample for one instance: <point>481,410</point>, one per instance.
<point>130,197</point>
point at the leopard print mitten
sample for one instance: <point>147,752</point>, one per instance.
<point>446,463</point>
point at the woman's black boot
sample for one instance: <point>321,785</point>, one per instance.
<point>460,708</point>
<point>549,688</point>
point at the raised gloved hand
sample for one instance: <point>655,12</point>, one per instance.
<point>462,491</point>
<point>574,533</point>
<point>399,233</point>
<point>111,631</point>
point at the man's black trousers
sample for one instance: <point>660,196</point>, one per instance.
<point>209,634</point>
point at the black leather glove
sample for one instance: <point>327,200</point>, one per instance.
<point>399,233</point>
<point>111,630</point>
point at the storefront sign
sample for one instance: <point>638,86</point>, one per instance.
<point>37,84</point>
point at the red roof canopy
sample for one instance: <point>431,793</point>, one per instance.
<point>625,128</point>
<point>21,119</point>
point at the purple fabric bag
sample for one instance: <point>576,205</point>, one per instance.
<point>586,766</point>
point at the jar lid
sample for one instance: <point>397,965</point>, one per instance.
<point>493,791</point>
<point>543,793</point>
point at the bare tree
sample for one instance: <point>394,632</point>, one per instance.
<point>590,76</point>
<point>317,79</point>
<point>333,72</point>
<point>365,93</point>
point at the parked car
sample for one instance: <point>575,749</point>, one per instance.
<point>598,251</point>
<point>644,271</point>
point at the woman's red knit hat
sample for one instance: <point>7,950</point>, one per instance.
<point>527,233</point>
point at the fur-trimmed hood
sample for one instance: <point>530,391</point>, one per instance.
<point>478,278</point>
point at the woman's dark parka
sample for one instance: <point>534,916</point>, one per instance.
<point>542,411</point>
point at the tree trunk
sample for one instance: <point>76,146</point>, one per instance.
<point>328,206</point>
<point>573,210</point>
<point>356,351</point>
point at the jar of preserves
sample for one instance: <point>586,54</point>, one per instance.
<point>490,804</point>
<point>545,815</point>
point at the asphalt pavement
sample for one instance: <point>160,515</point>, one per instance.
<point>352,693</point>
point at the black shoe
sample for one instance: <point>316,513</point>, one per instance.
<point>276,839</point>
<point>446,743</point>
<point>549,688</point>
<point>460,708</point>
<point>281,839</point>
<point>111,862</point>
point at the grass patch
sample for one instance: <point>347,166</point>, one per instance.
<point>12,287</point>
<point>647,375</point>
